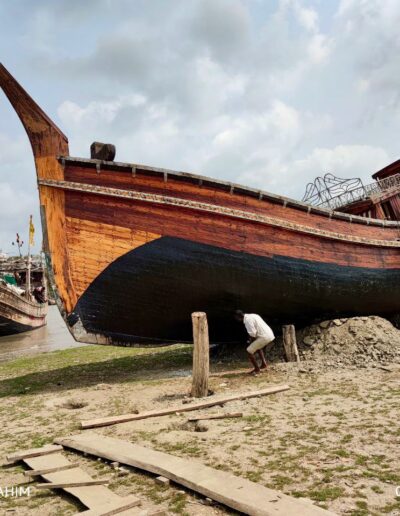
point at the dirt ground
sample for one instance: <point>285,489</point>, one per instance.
<point>333,437</point>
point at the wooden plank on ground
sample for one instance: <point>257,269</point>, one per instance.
<point>235,492</point>
<point>35,452</point>
<point>127,507</point>
<point>93,497</point>
<point>213,401</point>
<point>216,416</point>
<point>41,472</point>
<point>63,485</point>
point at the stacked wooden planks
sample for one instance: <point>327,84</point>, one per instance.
<point>49,463</point>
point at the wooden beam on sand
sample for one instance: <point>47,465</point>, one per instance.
<point>238,493</point>
<point>216,416</point>
<point>64,485</point>
<point>129,511</point>
<point>114,507</point>
<point>34,452</point>
<point>113,420</point>
<point>45,471</point>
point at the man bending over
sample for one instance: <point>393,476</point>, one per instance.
<point>260,334</point>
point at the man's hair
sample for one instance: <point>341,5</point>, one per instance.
<point>239,313</point>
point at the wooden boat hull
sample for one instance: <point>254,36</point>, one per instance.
<point>133,250</point>
<point>18,315</point>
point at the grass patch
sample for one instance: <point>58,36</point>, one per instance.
<point>321,495</point>
<point>88,366</point>
<point>177,504</point>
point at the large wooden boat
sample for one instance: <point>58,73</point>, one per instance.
<point>135,249</point>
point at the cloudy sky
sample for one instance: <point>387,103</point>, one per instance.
<point>268,93</point>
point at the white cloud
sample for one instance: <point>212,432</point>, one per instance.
<point>307,16</point>
<point>372,40</point>
<point>319,48</point>
<point>11,150</point>
<point>97,112</point>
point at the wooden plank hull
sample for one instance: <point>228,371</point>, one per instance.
<point>132,250</point>
<point>18,315</point>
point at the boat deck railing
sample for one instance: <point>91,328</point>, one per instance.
<point>334,193</point>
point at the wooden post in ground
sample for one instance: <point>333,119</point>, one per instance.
<point>290,344</point>
<point>201,355</point>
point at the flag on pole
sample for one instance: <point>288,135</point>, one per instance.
<point>31,232</point>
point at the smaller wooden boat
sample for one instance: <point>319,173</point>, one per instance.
<point>17,313</point>
<point>23,303</point>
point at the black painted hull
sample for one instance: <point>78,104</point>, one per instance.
<point>148,294</point>
<point>10,327</point>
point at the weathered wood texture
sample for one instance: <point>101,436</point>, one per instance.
<point>95,497</point>
<point>239,235</point>
<point>64,485</point>
<point>290,343</point>
<point>217,400</point>
<point>34,452</point>
<point>125,507</point>
<point>41,472</point>
<point>216,416</point>
<point>235,492</point>
<point>146,181</point>
<point>93,246</point>
<point>201,355</point>
<point>47,143</point>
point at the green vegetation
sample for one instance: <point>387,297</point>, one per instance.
<point>91,365</point>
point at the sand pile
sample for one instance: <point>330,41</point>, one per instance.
<point>358,341</point>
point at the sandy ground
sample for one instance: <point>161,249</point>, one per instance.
<point>333,437</point>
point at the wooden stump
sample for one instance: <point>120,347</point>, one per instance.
<point>290,344</point>
<point>201,355</point>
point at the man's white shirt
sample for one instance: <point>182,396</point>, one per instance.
<point>256,327</point>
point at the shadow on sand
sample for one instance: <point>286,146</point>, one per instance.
<point>150,366</point>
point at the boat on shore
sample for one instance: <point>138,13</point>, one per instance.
<point>17,313</point>
<point>23,303</point>
<point>132,250</point>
